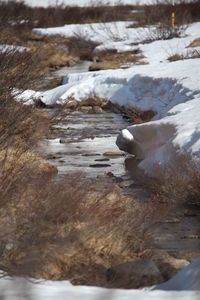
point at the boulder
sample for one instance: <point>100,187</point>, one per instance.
<point>86,109</point>
<point>169,265</point>
<point>97,110</point>
<point>134,274</point>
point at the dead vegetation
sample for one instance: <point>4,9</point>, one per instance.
<point>195,43</point>
<point>111,59</point>
<point>57,228</point>
<point>178,183</point>
<point>160,13</point>
<point>70,228</point>
<point>20,15</point>
<point>96,105</point>
<point>190,54</point>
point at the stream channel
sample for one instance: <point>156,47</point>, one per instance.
<point>85,143</point>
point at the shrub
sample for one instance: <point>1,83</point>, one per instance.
<point>190,54</point>
<point>178,183</point>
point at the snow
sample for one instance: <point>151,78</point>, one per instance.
<point>96,32</point>
<point>171,89</point>
<point>185,285</point>
<point>157,88</point>
<point>83,3</point>
<point>12,48</point>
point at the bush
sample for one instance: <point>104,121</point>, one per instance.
<point>18,14</point>
<point>185,12</point>
<point>178,183</point>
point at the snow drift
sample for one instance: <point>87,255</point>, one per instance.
<point>158,141</point>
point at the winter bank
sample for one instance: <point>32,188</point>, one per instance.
<point>184,285</point>
<point>171,89</point>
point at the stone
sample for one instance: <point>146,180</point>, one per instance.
<point>72,104</point>
<point>97,110</point>
<point>113,154</point>
<point>109,174</point>
<point>134,274</point>
<point>102,159</point>
<point>168,264</point>
<point>91,154</point>
<point>99,165</point>
<point>126,183</point>
<point>9,246</point>
<point>86,109</point>
<point>63,141</point>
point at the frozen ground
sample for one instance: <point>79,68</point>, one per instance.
<point>185,285</point>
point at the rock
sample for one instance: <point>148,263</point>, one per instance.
<point>113,154</point>
<point>64,141</point>
<point>9,246</point>
<point>91,154</point>
<point>97,110</point>
<point>102,159</point>
<point>54,156</point>
<point>109,174</point>
<point>72,104</point>
<point>169,265</point>
<point>99,165</point>
<point>86,109</point>
<point>95,67</point>
<point>134,274</point>
<point>126,183</point>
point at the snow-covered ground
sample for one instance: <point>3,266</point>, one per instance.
<point>185,285</point>
<point>172,89</point>
<point>100,33</point>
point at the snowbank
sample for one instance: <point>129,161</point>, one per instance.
<point>184,285</point>
<point>158,141</point>
<point>97,32</point>
<point>83,3</point>
<point>160,86</point>
<point>119,36</point>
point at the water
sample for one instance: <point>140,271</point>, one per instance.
<point>56,77</point>
<point>86,143</point>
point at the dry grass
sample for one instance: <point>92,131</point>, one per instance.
<point>191,54</point>
<point>57,228</point>
<point>18,14</point>
<point>113,60</point>
<point>179,183</point>
<point>195,43</point>
<point>160,13</point>
<point>61,229</point>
